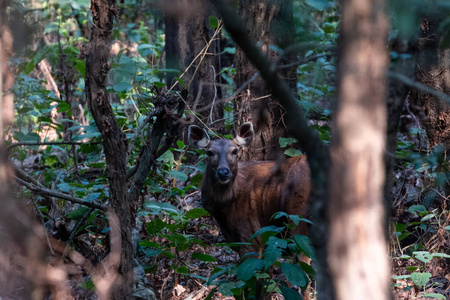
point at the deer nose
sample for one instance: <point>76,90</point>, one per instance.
<point>223,174</point>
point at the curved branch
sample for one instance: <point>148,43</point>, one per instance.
<point>47,192</point>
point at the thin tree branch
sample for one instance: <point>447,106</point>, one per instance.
<point>47,192</point>
<point>419,86</point>
<point>44,144</point>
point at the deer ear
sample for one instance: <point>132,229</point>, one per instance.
<point>244,135</point>
<point>197,137</point>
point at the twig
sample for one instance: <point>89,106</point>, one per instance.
<point>141,126</point>
<point>419,86</point>
<point>44,191</point>
<point>215,95</point>
<point>44,144</point>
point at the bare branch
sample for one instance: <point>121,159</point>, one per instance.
<point>47,192</point>
<point>419,86</point>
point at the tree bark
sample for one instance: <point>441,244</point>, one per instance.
<point>114,143</point>
<point>433,69</point>
<point>357,242</point>
<point>187,34</point>
<point>269,23</point>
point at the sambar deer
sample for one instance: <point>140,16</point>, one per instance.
<point>243,196</point>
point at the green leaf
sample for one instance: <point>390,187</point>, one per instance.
<point>440,255</point>
<point>400,277</point>
<point>304,243</point>
<point>148,244</point>
<point>427,217</point>
<point>420,279</point>
<point>271,229</point>
<point>158,207</point>
<point>318,4</point>
<point>78,213</point>
<point>152,252</point>
<point>248,268</point>
<point>178,175</point>
<point>284,142</point>
<point>423,256</point>
<point>291,152</point>
<point>92,196</point>
<point>271,255</point>
<point>294,274</point>
<point>196,213</point>
<point>182,270</point>
<point>433,295</point>
<point>203,257</point>
<point>290,294</point>
<point>122,86</point>
<point>64,187</point>
<point>414,209</point>
<point>213,22</point>
<point>196,180</point>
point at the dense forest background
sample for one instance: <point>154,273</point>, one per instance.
<point>100,189</point>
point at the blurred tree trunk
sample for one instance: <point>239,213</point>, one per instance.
<point>397,94</point>
<point>187,34</point>
<point>114,143</point>
<point>269,23</point>
<point>357,242</point>
<point>433,69</point>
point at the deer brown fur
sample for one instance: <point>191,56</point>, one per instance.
<point>243,196</point>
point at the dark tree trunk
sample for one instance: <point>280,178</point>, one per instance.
<point>357,242</point>
<point>397,95</point>
<point>114,143</point>
<point>433,69</point>
<point>269,23</point>
<point>187,34</point>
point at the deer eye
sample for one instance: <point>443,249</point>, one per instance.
<point>209,153</point>
<point>235,151</point>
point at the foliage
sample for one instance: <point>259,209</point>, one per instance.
<point>253,275</point>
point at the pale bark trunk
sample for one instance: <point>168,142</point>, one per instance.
<point>357,242</point>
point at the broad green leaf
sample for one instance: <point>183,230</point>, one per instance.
<point>420,279</point>
<point>64,187</point>
<point>290,294</point>
<point>304,243</point>
<point>78,213</point>
<point>271,228</point>
<point>318,4</point>
<point>433,295</point>
<point>294,274</point>
<point>291,152</point>
<point>414,209</point>
<point>248,268</point>
<point>148,244</point>
<point>203,257</point>
<point>423,256</point>
<point>440,255</point>
<point>152,252</point>
<point>92,196</point>
<point>400,277</point>
<point>213,22</point>
<point>122,86</point>
<point>159,207</point>
<point>427,217</point>
<point>196,213</point>
<point>182,270</point>
<point>284,142</point>
<point>271,255</point>
<point>178,175</point>
<point>196,180</point>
